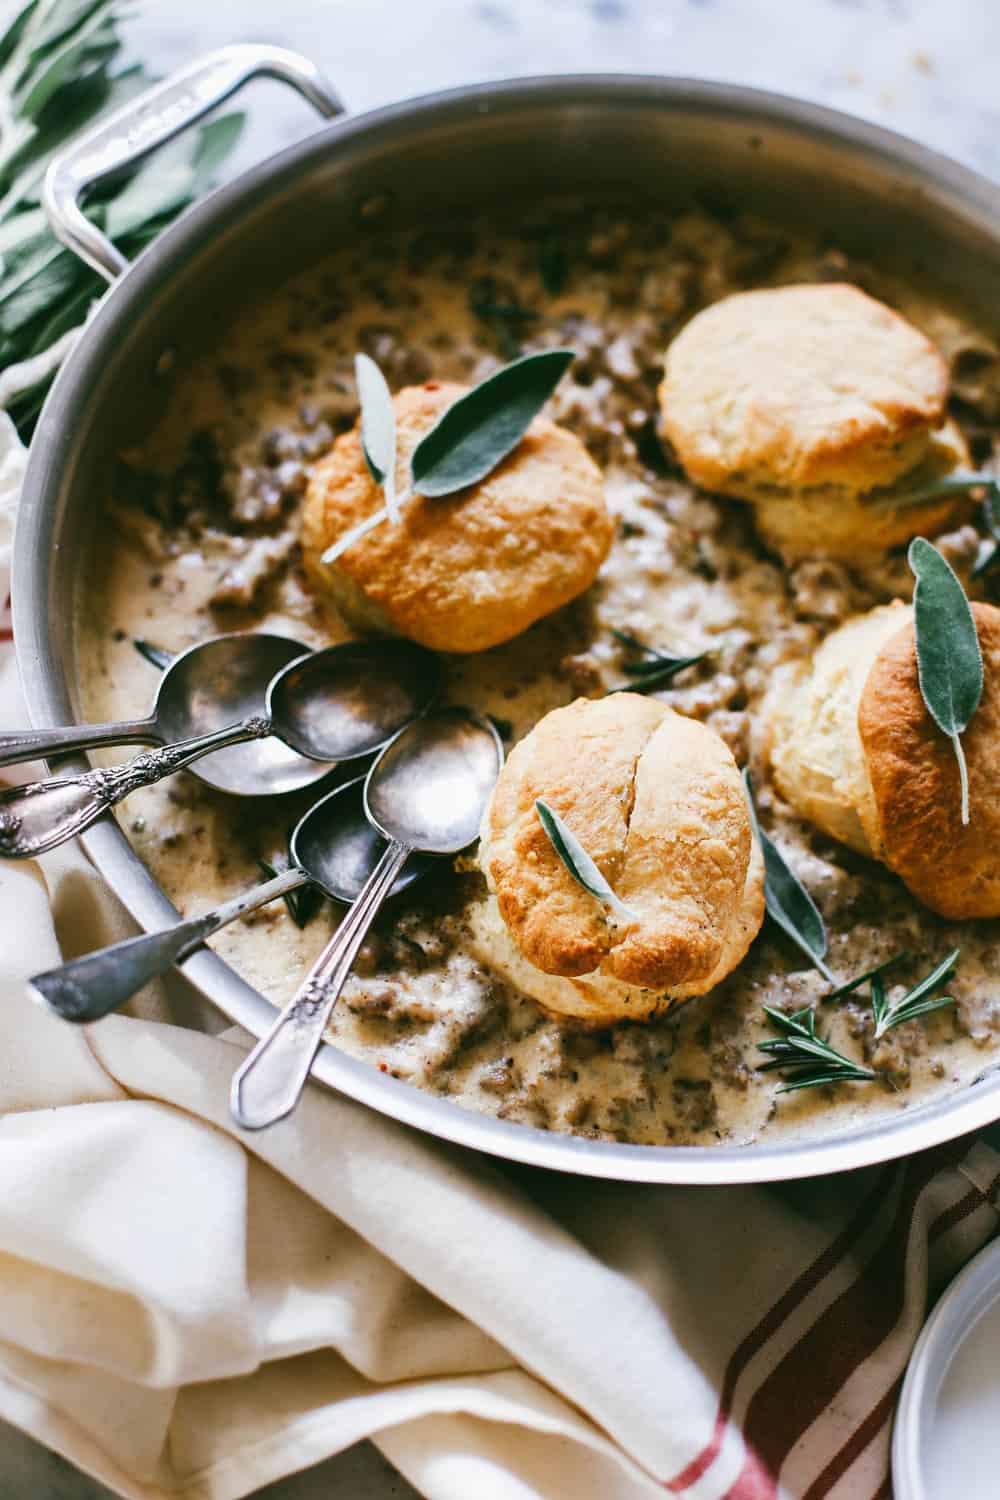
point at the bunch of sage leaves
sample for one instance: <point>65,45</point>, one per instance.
<point>59,74</point>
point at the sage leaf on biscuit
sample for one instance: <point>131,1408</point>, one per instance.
<point>578,862</point>
<point>949,661</point>
<point>486,424</point>
<point>473,435</point>
<point>378,429</point>
<point>788,903</point>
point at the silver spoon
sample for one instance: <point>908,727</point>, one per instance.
<point>210,686</point>
<point>333,705</point>
<point>426,792</point>
<point>333,845</point>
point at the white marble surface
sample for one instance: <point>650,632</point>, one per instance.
<point>925,67</point>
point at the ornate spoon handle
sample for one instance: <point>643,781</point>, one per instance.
<point>38,817</point>
<point>267,1086</point>
<point>27,744</point>
<point>90,987</point>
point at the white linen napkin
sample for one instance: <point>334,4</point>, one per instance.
<point>185,1312</point>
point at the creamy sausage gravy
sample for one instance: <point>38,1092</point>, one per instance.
<point>204,529</point>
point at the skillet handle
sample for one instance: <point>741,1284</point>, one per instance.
<point>123,138</point>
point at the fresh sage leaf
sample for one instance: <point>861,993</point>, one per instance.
<point>578,862</point>
<point>378,429</point>
<point>788,903</point>
<point>57,76</point>
<point>473,435</point>
<point>482,427</point>
<point>949,661</point>
<point>176,175</point>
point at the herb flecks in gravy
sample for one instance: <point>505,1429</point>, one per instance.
<point>205,521</point>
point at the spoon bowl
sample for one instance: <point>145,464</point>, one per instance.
<point>429,786</point>
<point>334,705</point>
<point>337,847</point>
<point>221,682</point>
<point>346,701</point>
<point>211,686</point>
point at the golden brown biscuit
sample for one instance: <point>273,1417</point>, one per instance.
<point>658,803</point>
<point>816,754</point>
<point>837,523</point>
<point>855,751</point>
<point>461,572</point>
<point>917,824</point>
<point>803,399</point>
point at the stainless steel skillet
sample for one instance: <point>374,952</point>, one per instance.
<point>655,139</point>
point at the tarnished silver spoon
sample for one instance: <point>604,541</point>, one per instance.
<point>210,686</point>
<point>334,846</point>
<point>426,792</point>
<point>333,705</point>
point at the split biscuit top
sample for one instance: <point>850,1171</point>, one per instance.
<point>855,750</point>
<point>803,399</point>
<point>467,571</point>
<point>657,802</point>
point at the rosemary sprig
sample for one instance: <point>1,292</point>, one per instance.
<point>918,1001</point>
<point>808,1060</point>
<point>658,669</point>
<point>859,979</point>
<point>579,863</point>
<point>57,75</point>
<point>788,902</point>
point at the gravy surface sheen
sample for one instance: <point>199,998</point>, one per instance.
<point>201,537</point>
